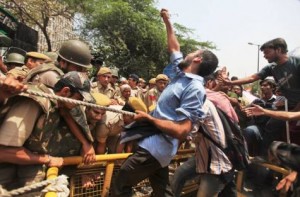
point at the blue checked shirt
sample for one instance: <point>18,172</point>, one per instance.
<point>182,99</point>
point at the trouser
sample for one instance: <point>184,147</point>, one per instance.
<point>13,176</point>
<point>253,136</point>
<point>274,131</point>
<point>183,173</point>
<point>210,184</point>
<point>137,167</point>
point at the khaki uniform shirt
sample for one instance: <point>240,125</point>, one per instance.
<point>20,72</point>
<point>121,100</point>
<point>111,125</point>
<point>108,91</point>
<point>151,97</point>
<point>117,91</point>
<point>137,92</point>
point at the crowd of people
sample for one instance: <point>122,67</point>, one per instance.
<point>37,132</point>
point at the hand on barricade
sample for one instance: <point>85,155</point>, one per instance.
<point>88,153</point>
<point>55,162</point>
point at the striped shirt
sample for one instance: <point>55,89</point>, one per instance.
<point>209,158</point>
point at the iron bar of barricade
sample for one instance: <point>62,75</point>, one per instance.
<point>288,136</point>
<point>52,173</point>
<point>75,160</point>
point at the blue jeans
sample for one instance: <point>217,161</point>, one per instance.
<point>210,184</point>
<point>184,172</point>
<point>253,136</point>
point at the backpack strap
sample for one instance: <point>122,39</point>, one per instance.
<point>226,122</point>
<point>205,132</point>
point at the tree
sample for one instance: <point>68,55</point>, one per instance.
<point>39,12</point>
<point>130,35</point>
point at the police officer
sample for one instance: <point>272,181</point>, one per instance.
<point>151,97</point>
<point>73,55</point>
<point>103,84</point>
<point>32,60</point>
<point>14,60</point>
<point>47,134</point>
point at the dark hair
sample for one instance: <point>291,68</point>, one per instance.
<point>233,78</point>
<point>275,44</point>
<point>209,63</point>
<point>64,83</point>
<point>128,107</point>
<point>135,77</point>
<point>270,82</point>
<point>240,86</point>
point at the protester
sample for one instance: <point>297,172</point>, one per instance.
<point>200,165</point>
<point>184,97</point>
<point>285,70</point>
<point>254,132</point>
<point>281,152</point>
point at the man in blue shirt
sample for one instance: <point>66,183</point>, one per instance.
<point>178,107</point>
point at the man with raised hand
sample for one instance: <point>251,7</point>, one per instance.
<point>178,107</point>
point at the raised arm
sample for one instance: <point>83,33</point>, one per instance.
<point>173,44</point>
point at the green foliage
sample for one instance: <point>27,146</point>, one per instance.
<point>130,35</point>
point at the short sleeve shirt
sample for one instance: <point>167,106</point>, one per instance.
<point>287,76</point>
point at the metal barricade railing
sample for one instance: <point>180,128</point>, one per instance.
<point>240,176</point>
<point>106,168</point>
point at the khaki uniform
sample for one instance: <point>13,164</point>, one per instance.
<point>19,114</point>
<point>137,92</point>
<point>151,97</point>
<point>108,91</point>
<point>47,74</point>
<point>20,72</point>
<point>121,100</point>
<point>109,129</point>
<point>117,91</point>
<point>45,132</point>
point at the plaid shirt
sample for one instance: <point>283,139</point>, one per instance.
<point>209,158</point>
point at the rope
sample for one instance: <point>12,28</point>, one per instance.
<point>59,185</point>
<point>77,102</point>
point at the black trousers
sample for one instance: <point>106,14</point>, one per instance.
<point>137,167</point>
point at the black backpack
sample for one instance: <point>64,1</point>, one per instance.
<point>236,150</point>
